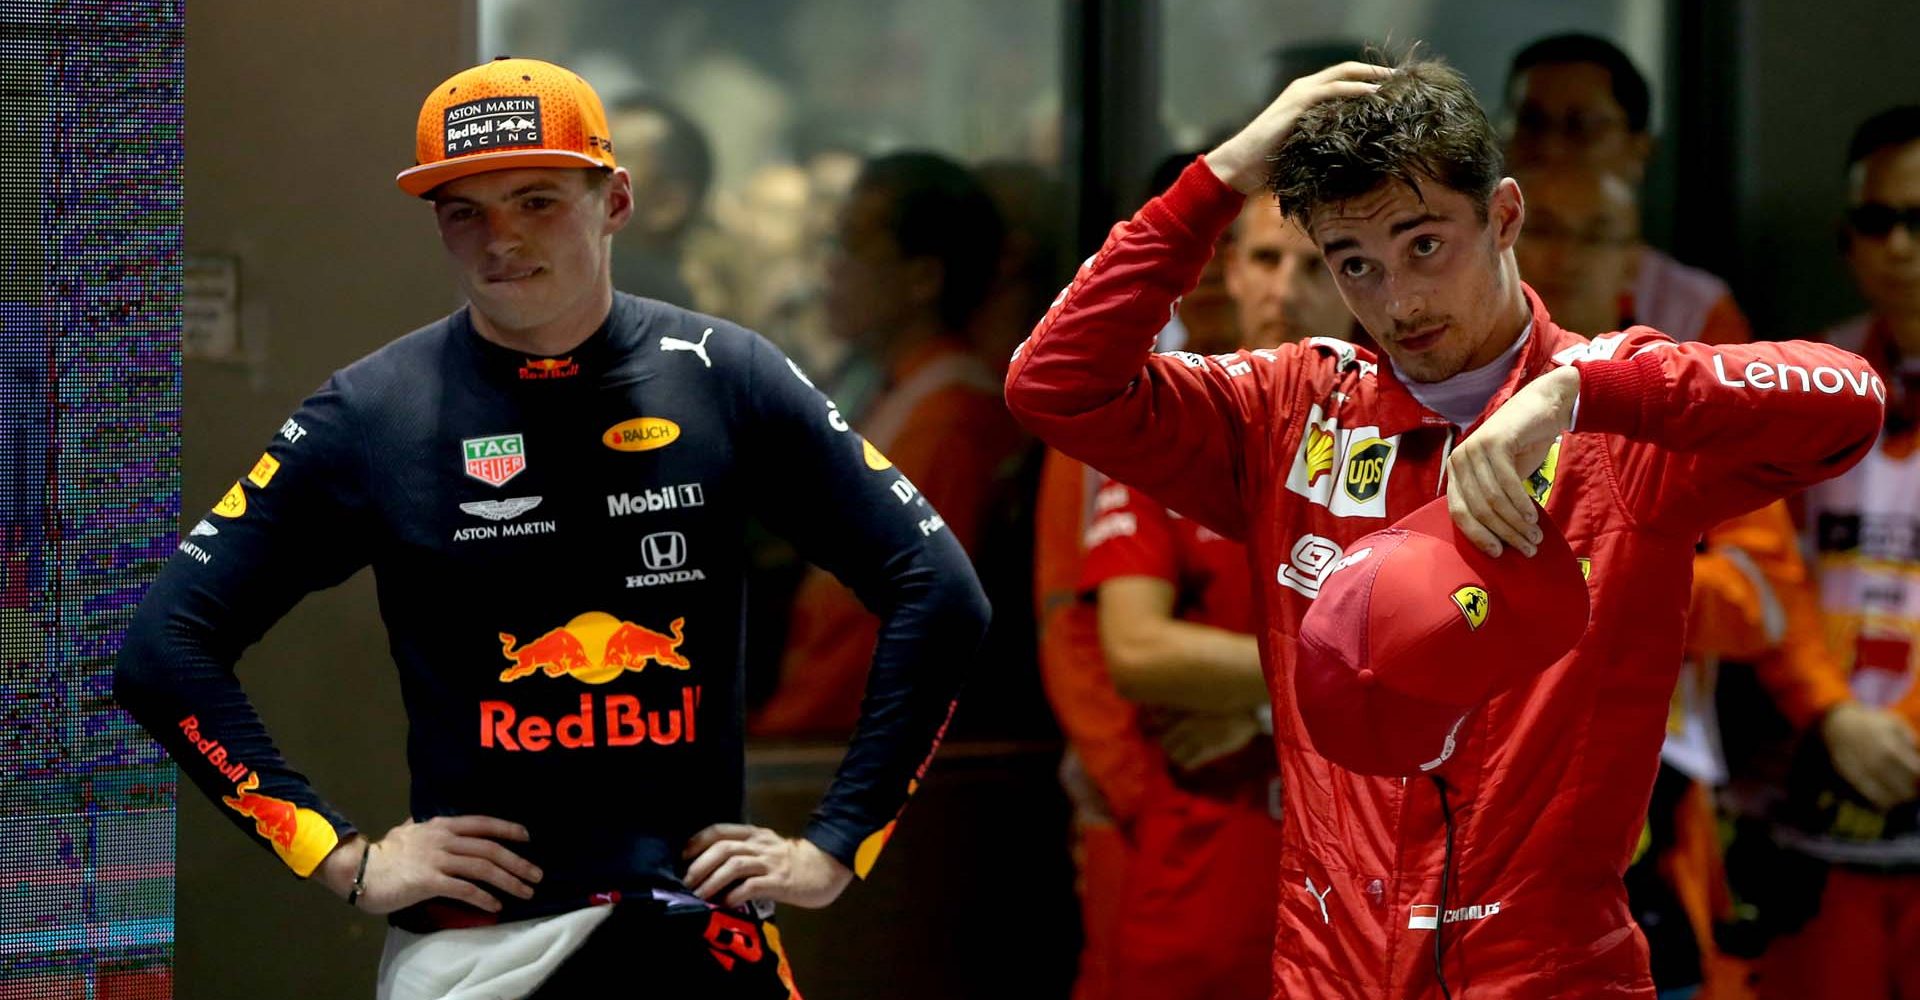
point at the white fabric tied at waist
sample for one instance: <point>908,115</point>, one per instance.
<point>502,962</point>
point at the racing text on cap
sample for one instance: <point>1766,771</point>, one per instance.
<point>492,123</point>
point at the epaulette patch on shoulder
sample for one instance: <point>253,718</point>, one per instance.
<point>1346,357</point>
<point>1345,354</point>
<point>1600,348</point>
<point>1605,346</point>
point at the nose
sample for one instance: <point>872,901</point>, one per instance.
<point>1902,241</point>
<point>1404,300</point>
<point>503,235</point>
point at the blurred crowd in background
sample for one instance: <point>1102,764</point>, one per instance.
<point>1781,856</point>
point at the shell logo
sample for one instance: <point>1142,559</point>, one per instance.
<point>1319,453</point>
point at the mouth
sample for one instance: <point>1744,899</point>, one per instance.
<point>508,277</point>
<point>1422,339</point>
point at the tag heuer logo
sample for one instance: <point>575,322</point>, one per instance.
<point>494,460</point>
<point>1474,604</point>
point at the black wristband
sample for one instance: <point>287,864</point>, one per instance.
<point>360,877</point>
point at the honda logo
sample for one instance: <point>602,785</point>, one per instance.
<point>664,550</point>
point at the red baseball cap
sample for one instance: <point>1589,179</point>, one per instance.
<point>505,115</point>
<point>1414,627</point>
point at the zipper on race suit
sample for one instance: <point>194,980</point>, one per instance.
<point>1446,452</point>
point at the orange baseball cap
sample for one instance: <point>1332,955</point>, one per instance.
<point>505,115</point>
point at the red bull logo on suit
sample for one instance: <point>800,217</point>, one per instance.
<point>593,648</point>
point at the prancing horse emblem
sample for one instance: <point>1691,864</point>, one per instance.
<point>1473,604</point>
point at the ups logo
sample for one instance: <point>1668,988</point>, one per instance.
<point>1366,469</point>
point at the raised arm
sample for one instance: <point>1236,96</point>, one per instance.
<point>1737,426</point>
<point>1086,381</point>
<point>1742,424</point>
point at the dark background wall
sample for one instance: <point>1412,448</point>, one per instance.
<point>298,116</point>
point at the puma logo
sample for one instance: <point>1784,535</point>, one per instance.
<point>1320,896</point>
<point>676,344</point>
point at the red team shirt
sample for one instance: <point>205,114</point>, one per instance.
<point>1133,536</point>
<point>1197,904</point>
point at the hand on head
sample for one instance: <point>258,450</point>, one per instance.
<point>1241,162</point>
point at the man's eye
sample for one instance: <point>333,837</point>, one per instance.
<point>1426,246</point>
<point>1353,267</point>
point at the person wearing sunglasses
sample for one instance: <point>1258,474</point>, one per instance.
<point>1852,812</point>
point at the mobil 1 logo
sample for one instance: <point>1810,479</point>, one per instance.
<point>653,501</point>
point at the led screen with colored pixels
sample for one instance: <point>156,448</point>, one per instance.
<point>90,161</point>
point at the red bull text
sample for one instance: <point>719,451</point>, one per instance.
<point>210,748</point>
<point>626,723</point>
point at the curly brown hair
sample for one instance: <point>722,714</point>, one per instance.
<point>1422,124</point>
